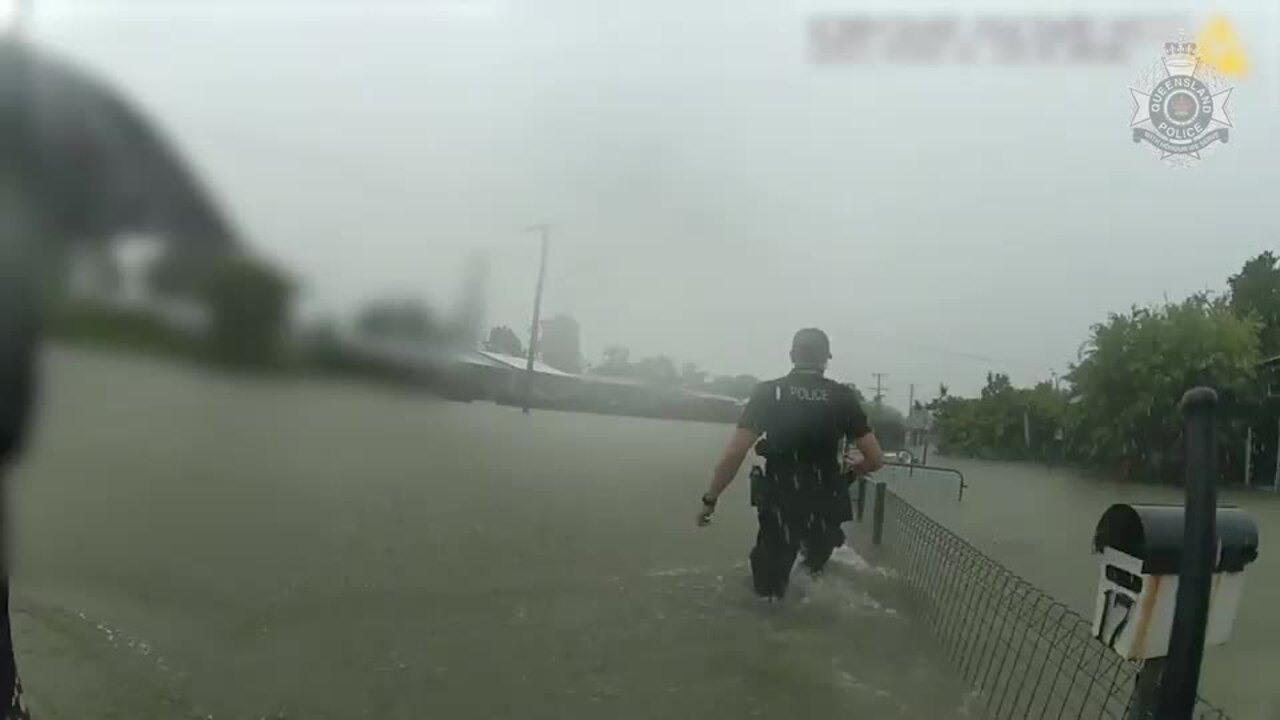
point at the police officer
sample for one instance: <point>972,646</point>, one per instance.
<point>801,497</point>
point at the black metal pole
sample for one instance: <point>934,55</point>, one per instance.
<point>877,516</point>
<point>1200,549</point>
<point>862,496</point>
<point>1146,689</point>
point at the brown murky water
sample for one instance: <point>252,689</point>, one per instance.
<point>192,546</point>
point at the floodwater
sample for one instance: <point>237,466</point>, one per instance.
<point>196,546</point>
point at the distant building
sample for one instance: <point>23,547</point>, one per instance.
<point>471,374</point>
<point>464,373</point>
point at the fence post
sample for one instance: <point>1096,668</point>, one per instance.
<point>1275,486</point>
<point>862,495</point>
<point>1200,546</point>
<point>1248,456</point>
<point>877,517</point>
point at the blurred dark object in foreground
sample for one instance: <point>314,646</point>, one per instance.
<point>79,166</point>
<point>92,165</point>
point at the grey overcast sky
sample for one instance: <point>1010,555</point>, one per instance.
<point>712,190</point>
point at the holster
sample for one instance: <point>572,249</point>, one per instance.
<point>759,487</point>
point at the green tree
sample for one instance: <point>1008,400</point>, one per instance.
<point>890,426</point>
<point>1255,292</point>
<point>503,339</point>
<point>403,319</point>
<point>249,304</point>
<point>617,362</point>
<point>1134,370</point>
<point>943,394</point>
<point>997,384</point>
<point>691,377</point>
<point>561,344</point>
<point>659,370</point>
<point>999,422</point>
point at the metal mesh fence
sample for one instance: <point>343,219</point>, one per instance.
<point>1028,656</point>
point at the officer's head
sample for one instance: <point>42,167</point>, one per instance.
<point>810,349</point>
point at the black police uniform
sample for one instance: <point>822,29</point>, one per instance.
<point>801,499</point>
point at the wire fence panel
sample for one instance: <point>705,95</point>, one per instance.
<point>1028,656</point>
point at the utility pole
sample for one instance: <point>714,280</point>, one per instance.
<point>545,231</point>
<point>879,389</point>
<point>911,414</point>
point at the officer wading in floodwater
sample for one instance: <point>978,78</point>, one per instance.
<point>801,497</point>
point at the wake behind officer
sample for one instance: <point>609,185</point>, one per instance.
<point>801,498</point>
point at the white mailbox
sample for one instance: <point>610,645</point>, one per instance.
<point>1141,550</point>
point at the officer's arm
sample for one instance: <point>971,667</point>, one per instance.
<point>750,428</point>
<point>731,461</point>
<point>872,454</point>
<point>864,439</point>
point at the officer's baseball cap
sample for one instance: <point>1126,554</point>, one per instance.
<point>811,345</point>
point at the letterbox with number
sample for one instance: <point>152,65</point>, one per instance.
<point>1141,549</point>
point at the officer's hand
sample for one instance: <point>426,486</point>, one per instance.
<point>705,513</point>
<point>852,457</point>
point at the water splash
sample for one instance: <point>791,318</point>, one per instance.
<point>847,557</point>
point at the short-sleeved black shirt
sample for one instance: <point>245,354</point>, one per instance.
<point>804,416</point>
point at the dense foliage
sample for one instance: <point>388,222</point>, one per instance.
<point>1255,292</point>
<point>503,339</point>
<point>399,319</point>
<point>249,304</point>
<point>561,343</point>
<point>1119,408</point>
<point>1137,367</point>
<point>1003,422</point>
<point>890,426</point>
